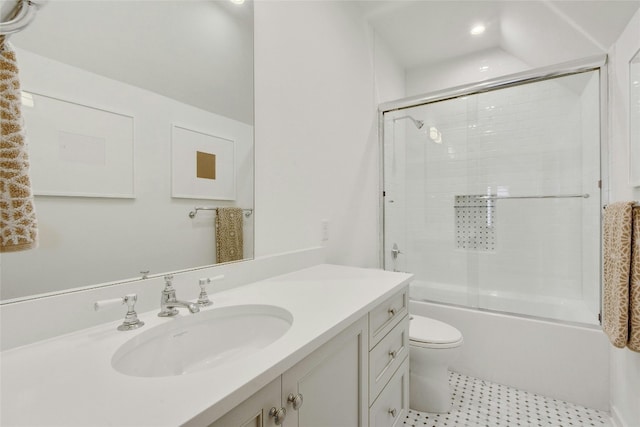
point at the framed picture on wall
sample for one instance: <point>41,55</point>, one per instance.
<point>78,150</point>
<point>202,165</point>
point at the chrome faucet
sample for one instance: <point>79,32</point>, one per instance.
<point>169,304</point>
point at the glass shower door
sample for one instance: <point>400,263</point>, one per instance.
<point>492,200</point>
<point>425,148</point>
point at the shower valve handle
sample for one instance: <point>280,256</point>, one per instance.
<point>395,251</point>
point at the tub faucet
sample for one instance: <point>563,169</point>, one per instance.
<point>169,304</point>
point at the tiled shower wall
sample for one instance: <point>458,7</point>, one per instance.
<point>528,140</point>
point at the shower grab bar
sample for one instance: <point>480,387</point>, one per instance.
<point>194,212</point>
<point>558,196</point>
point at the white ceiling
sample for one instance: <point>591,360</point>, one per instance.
<point>540,33</point>
<point>199,52</point>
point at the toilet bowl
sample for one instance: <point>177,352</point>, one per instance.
<point>433,345</point>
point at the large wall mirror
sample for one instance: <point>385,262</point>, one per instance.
<point>136,113</point>
<point>634,120</point>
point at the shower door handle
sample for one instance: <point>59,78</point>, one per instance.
<point>395,251</point>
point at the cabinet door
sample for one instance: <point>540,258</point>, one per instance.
<point>254,412</point>
<point>331,383</point>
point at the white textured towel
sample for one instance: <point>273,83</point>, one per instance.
<point>617,266</point>
<point>18,225</point>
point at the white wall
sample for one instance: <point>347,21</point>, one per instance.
<point>473,68</point>
<point>84,241</point>
<point>390,81</point>
<point>316,130</point>
<point>625,364</point>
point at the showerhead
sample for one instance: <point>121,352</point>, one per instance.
<point>417,123</point>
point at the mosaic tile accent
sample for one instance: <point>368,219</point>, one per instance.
<point>479,403</point>
<point>475,223</point>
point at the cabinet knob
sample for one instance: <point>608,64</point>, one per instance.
<point>393,354</point>
<point>278,415</point>
<point>392,312</point>
<point>295,400</point>
<point>393,412</point>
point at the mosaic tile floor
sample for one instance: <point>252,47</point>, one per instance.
<point>479,403</point>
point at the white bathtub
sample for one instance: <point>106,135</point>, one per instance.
<point>564,361</point>
<point>563,309</point>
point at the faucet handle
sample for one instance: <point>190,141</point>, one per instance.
<point>107,303</point>
<point>168,279</point>
<point>131,320</point>
<point>203,299</point>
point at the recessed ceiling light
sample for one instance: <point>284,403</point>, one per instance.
<point>237,1</point>
<point>477,30</point>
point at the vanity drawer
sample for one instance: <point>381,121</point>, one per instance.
<point>386,357</point>
<point>384,317</point>
<point>392,406</point>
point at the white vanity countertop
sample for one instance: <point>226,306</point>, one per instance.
<point>69,380</point>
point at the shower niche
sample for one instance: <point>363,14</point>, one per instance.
<point>475,222</point>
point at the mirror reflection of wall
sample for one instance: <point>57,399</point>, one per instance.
<point>140,70</point>
<point>634,119</point>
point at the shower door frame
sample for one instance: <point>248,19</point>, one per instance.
<point>592,63</point>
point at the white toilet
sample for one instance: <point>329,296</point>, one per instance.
<point>433,345</point>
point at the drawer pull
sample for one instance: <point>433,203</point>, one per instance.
<point>393,412</point>
<point>392,312</point>
<point>393,354</point>
<point>295,400</point>
<point>278,415</point>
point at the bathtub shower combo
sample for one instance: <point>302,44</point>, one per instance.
<point>492,199</point>
<point>492,194</point>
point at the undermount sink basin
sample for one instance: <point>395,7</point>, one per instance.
<point>196,342</point>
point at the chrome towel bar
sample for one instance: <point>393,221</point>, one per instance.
<point>194,212</point>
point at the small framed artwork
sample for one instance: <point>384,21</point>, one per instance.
<point>202,165</point>
<point>634,120</point>
<point>78,150</point>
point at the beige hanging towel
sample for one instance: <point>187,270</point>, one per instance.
<point>634,287</point>
<point>617,266</point>
<point>229,240</point>
<point>18,225</point>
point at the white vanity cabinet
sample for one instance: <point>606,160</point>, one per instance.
<point>324,389</point>
<point>389,361</point>
<point>332,382</point>
<point>359,378</point>
<point>254,412</point>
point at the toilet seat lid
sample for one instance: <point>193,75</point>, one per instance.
<point>431,331</point>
